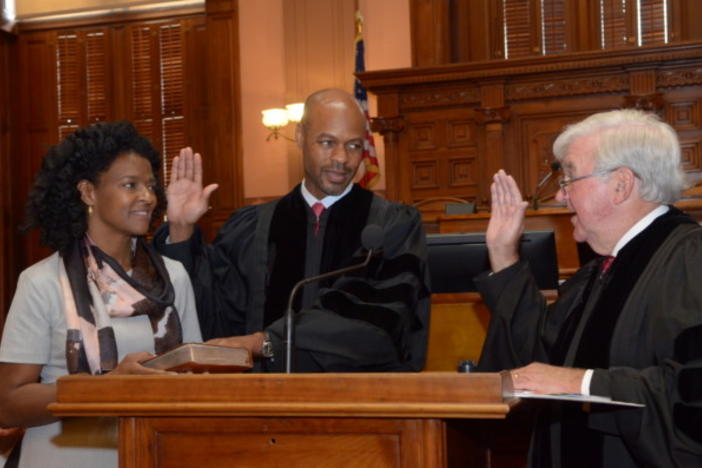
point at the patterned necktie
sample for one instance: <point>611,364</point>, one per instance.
<point>318,208</point>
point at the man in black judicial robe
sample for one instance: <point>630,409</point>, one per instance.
<point>628,325</point>
<point>373,320</point>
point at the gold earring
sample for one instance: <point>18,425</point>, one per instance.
<point>90,210</point>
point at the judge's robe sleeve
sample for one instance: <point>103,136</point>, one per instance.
<point>667,342</point>
<point>661,345</point>
<point>523,327</point>
<point>217,272</point>
<point>376,320</point>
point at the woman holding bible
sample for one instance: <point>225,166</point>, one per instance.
<point>104,302</point>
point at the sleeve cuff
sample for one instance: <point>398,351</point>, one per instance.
<point>585,383</point>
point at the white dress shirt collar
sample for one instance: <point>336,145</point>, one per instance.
<point>327,201</point>
<point>642,224</point>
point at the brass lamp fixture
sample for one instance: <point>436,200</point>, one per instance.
<point>276,118</point>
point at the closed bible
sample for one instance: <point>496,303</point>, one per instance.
<point>199,358</point>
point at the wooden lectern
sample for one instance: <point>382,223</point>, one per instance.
<point>298,420</point>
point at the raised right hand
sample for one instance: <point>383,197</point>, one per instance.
<point>187,199</point>
<point>506,221</point>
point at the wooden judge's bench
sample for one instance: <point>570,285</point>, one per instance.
<point>407,420</point>
<point>554,219</point>
<point>459,320</point>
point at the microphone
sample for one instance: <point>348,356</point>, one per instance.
<point>372,240</point>
<point>555,167</point>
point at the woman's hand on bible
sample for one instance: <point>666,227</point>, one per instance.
<point>131,364</point>
<point>506,221</point>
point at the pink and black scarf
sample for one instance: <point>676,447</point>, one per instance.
<point>96,289</point>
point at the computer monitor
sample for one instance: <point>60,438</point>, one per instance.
<point>454,259</point>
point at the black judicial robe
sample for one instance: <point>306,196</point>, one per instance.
<point>373,320</point>
<point>639,326</point>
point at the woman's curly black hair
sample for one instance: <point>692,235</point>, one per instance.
<point>55,205</point>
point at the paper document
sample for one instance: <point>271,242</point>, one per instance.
<point>572,397</point>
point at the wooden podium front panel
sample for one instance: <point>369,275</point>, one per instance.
<point>457,329</point>
<point>458,324</point>
<point>281,442</point>
<point>333,419</point>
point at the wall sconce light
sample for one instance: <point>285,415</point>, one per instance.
<point>275,119</point>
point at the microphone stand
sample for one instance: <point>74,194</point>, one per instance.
<point>555,166</point>
<point>288,340</point>
<point>537,192</point>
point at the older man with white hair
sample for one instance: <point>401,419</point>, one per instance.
<point>628,325</point>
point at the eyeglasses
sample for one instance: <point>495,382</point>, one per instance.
<point>563,182</point>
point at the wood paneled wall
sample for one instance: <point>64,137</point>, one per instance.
<point>55,64</point>
<point>449,128</point>
<point>8,160</point>
<point>28,74</point>
<point>458,31</point>
<point>220,127</point>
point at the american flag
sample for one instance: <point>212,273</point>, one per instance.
<point>369,158</point>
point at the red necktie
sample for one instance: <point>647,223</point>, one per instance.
<point>318,208</point>
<point>606,263</point>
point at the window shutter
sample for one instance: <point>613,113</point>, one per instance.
<point>142,80</point>
<point>172,94</point>
<point>516,23</point>
<point>613,22</point>
<point>81,79</point>
<point>68,80</point>
<point>653,22</point>
<point>553,27</point>
<point>153,81</point>
<point>96,76</point>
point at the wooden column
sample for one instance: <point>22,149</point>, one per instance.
<point>390,128</point>
<point>223,149</point>
<point>431,24</point>
<point>8,149</point>
<point>643,95</point>
<point>493,115</point>
<point>37,113</point>
<point>391,125</point>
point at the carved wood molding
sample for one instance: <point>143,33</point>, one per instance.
<point>517,68</point>
<point>517,109</point>
<point>439,97</point>
<point>679,77</point>
<point>489,115</point>
<point>553,88</point>
<point>388,126</point>
<point>652,102</point>
<point>572,87</point>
